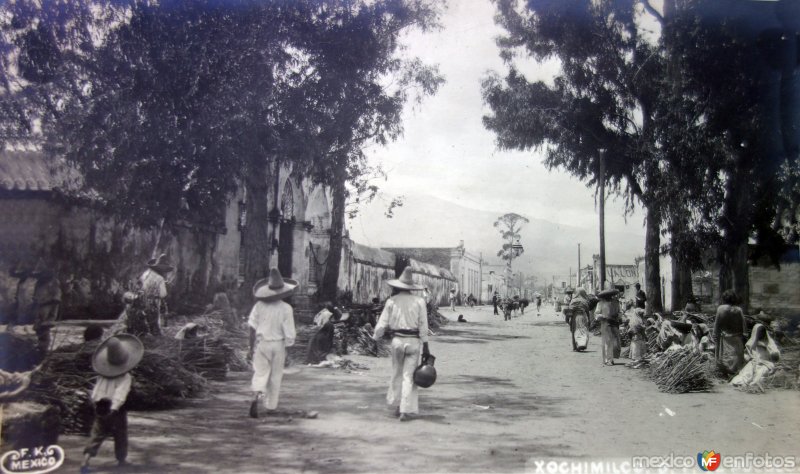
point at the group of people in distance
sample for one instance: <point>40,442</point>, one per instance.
<point>583,312</point>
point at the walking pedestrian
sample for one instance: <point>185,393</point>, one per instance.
<point>729,330</point>
<point>112,360</point>
<point>404,319</point>
<point>538,304</point>
<point>608,313</point>
<point>272,330</point>
<point>636,330</point>
<point>452,299</point>
<point>578,315</point>
<point>495,301</point>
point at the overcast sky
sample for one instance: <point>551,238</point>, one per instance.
<point>446,152</point>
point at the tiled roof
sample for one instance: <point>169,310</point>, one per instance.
<point>365,254</point>
<point>25,168</point>
<point>430,269</point>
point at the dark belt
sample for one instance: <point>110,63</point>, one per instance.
<point>405,332</point>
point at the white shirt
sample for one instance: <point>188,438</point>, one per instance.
<point>322,317</point>
<point>115,389</point>
<point>403,311</point>
<point>273,321</point>
<point>153,284</point>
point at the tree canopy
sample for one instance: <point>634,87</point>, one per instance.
<point>509,226</point>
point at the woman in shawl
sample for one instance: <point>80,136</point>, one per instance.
<point>638,336</point>
<point>608,313</point>
<point>579,320</point>
<point>321,344</point>
<point>762,353</point>
<point>729,329</point>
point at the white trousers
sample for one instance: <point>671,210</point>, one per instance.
<point>405,359</point>
<point>268,359</point>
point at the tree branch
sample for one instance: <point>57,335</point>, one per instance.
<point>651,10</point>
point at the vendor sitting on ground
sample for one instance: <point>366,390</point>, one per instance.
<point>762,353</point>
<point>321,344</point>
<point>461,318</point>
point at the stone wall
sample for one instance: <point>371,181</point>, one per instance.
<point>775,291</point>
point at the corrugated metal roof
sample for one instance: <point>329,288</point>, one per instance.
<point>25,168</point>
<point>365,254</point>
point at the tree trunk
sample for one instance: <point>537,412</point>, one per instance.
<point>736,223</point>
<point>255,247</point>
<point>681,284</point>
<point>330,281</point>
<point>733,272</point>
<point>652,251</point>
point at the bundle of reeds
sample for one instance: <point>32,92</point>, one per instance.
<point>680,371</point>
<point>360,342</point>
<point>436,319</point>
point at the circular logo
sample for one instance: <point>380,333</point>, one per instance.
<point>32,460</point>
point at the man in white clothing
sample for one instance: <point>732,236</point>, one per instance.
<point>405,318</point>
<point>272,330</point>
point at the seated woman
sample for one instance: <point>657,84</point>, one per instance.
<point>321,344</point>
<point>761,353</point>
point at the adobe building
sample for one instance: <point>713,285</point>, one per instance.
<point>96,257</point>
<point>465,267</point>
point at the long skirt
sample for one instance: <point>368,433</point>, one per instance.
<point>638,347</point>
<point>405,352</point>
<point>730,353</point>
<point>611,341</point>
<point>579,325</point>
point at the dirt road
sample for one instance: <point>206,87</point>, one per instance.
<point>509,394</point>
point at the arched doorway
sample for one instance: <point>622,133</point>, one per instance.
<point>319,216</point>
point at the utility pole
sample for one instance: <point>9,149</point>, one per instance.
<point>602,190</point>
<point>579,264</point>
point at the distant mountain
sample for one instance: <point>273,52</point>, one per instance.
<point>550,248</point>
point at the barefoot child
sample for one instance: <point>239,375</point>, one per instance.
<point>112,360</point>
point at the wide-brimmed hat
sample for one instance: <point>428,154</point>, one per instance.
<point>608,293</point>
<point>274,288</point>
<point>405,282</point>
<point>569,290</point>
<point>161,264</point>
<point>117,355</point>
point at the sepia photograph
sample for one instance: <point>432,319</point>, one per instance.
<point>399,236</point>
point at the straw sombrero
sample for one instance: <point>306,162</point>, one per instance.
<point>608,293</point>
<point>274,288</point>
<point>117,355</point>
<point>405,282</point>
<point>569,290</point>
<point>161,264</point>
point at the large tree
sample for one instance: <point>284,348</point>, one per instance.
<point>738,63</point>
<point>175,104</point>
<point>509,226</point>
<point>605,96</point>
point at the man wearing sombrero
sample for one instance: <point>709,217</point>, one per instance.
<point>154,287</point>
<point>272,330</point>
<point>113,359</point>
<point>405,318</point>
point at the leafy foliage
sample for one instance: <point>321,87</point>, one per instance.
<point>509,226</point>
